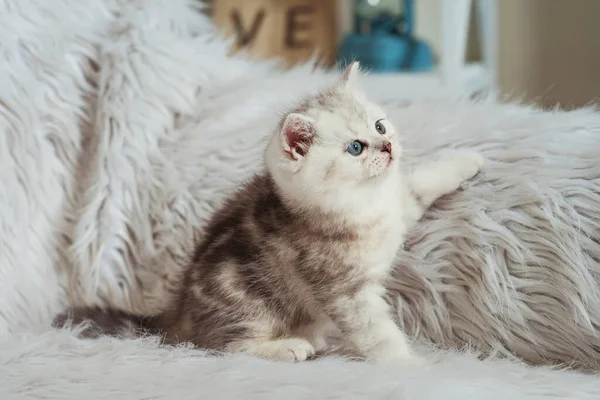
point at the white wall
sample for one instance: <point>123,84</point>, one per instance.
<point>550,50</point>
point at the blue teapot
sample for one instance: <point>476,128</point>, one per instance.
<point>389,46</point>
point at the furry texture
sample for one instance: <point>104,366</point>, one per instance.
<point>511,263</point>
<point>58,366</point>
<point>122,126</point>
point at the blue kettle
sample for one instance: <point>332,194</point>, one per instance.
<point>390,46</point>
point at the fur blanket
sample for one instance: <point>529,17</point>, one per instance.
<point>124,123</point>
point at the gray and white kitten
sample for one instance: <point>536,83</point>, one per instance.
<point>304,248</point>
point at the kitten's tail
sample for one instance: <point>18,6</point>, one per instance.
<point>97,321</point>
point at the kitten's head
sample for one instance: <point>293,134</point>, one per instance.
<point>335,144</point>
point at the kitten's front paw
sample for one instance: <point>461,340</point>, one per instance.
<point>468,165</point>
<point>289,349</point>
<point>409,359</point>
<point>397,352</point>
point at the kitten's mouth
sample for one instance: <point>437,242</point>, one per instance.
<point>389,161</point>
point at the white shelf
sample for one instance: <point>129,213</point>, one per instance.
<point>472,78</point>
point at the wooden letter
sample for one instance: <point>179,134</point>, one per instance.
<point>293,26</point>
<point>244,37</point>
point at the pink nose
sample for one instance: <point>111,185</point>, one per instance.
<point>386,147</point>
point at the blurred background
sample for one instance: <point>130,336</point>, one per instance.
<point>541,51</point>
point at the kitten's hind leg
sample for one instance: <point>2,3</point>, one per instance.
<point>285,349</point>
<point>428,183</point>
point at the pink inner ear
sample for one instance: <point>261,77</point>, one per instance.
<point>299,134</point>
<point>297,139</point>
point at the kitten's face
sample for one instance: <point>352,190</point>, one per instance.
<point>355,142</point>
<point>337,142</point>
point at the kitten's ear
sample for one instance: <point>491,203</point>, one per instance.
<point>351,73</point>
<point>297,134</point>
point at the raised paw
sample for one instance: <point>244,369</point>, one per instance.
<point>290,349</point>
<point>467,165</point>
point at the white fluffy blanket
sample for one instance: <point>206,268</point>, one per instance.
<point>124,122</point>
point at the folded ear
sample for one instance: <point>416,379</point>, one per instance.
<point>351,73</point>
<point>297,134</point>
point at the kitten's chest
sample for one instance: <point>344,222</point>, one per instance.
<point>379,244</point>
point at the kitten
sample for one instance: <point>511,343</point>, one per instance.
<point>305,247</point>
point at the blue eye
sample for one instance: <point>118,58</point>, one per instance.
<point>355,148</point>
